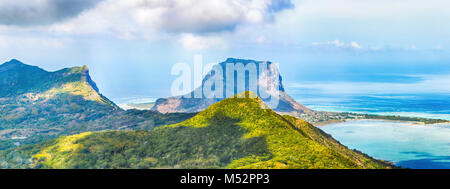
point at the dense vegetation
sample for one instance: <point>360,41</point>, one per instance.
<point>35,129</point>
<point>60,120</point>
<point>326,117</point>
<point>233,133</point>
<point>36,105</point>
<point>402,118</point>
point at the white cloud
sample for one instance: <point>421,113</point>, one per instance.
<point>187,16</point>
<point>263,21</point>
<point>355,45</point>
<point>110,17</point>
<point>371,23</point>
<point>193,42</point>
<point>337,45</point>
<point>195,24</point>
<point>187,21</point>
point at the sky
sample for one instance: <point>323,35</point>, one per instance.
<point>339,46</point>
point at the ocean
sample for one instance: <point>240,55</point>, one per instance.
<point>417,105</point>
<point>406,144</point>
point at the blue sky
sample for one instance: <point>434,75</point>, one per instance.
<point>131,45</point>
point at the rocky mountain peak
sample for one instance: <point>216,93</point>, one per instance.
<point>268,78</point>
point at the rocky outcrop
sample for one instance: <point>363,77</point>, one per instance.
<point>285,105</point>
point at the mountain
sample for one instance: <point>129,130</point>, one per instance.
<point>233,133</point>
<point>286,105</point>
<point>17,78</point>
<point>36,105</point>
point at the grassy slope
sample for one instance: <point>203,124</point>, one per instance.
<point>234,133</point>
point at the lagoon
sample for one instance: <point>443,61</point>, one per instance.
<point>406,144</point>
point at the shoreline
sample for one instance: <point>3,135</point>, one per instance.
<point>324,123</point>
<point>335,117</point>
<point>329,122</point>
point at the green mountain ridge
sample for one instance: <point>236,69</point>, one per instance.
<point>18,78</point>
<point>233,133</point>
<point>37,105</point>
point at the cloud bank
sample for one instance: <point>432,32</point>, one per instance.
<point>199,16</point>
<point>41,12</point>
<point>369,26</point>
<point>337,45</point>
<point>195,24</point>
<point>173,16</point>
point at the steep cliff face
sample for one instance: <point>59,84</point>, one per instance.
<point>269,81</point>
<point>18,79</point>
<point>36,104</point>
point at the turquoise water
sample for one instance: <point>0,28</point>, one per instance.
<point>417,105</point>
<point>406,144</point>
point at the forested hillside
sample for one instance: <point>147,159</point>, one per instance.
<point>37,105</point>
<point>233,133</point>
